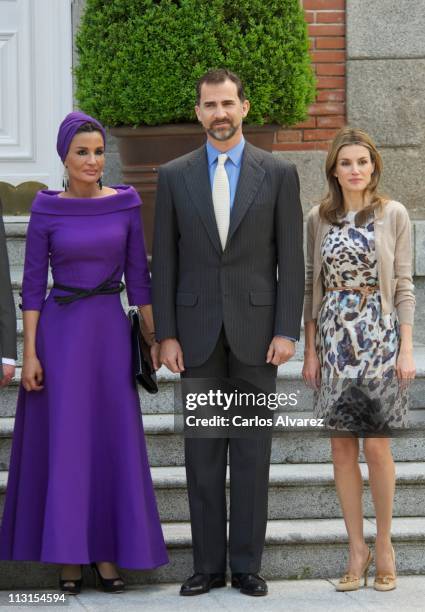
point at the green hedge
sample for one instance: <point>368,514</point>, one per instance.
<point>139,59</point>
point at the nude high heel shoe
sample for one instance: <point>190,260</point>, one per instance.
<point>350,582</point>
<point>386,582</point>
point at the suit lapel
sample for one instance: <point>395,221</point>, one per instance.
<point>198,184</point>
<point>250,179</point>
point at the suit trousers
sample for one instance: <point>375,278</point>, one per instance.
<point>249,461</point>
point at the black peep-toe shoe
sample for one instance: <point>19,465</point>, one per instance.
<point>108,584</point>
<point>70,586</point>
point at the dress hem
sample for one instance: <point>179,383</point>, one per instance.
<point>87,562</point>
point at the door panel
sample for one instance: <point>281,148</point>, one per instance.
<point>35,87</point>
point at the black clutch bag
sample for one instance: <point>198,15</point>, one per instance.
<point>143,369</point>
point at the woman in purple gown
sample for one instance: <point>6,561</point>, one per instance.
<point>80,488</point>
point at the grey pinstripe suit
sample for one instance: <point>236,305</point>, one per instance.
<point>224,307</point>
<point>7,306</point>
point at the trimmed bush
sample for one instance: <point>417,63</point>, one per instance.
<point>139,59</point>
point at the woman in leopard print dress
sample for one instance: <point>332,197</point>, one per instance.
<point>357,346</point>
<point>358,318</point>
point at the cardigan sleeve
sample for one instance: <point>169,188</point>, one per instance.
<point>309,268</point>
<point>136,271</point>
<point>36,264</point>
<point>404,298</point>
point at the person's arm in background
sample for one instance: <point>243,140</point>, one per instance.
<point>7,315</point>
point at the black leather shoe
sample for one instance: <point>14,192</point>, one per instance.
<point>250,584</point>
<point>202,583</point>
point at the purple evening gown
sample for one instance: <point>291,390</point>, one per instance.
<point>80,488</point>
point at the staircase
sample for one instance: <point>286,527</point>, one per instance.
<point>305,536</point>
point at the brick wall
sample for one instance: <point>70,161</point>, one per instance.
<point>326,26</point>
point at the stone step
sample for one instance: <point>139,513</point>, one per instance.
<point>161,402</point>
<point>289,381</point>
<point>16,229</point>
<point>294,549</point>
<point>295,492</point>
<point>16,250</point>
<point>299,349</point>
<point>16,278</point>
<point>290,444</point>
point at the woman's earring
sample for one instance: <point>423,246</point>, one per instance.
<point>99,182</point>
<point>65,181</point>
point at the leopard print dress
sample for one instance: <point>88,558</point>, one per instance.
<point>357,345</point>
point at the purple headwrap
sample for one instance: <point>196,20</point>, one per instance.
<point>69,127</point>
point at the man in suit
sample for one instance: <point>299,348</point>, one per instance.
<point>7,315</point>
<point>228,286</point>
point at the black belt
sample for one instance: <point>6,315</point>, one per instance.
<point>108,287</point>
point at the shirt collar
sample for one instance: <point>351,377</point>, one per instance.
<point>234,154</point>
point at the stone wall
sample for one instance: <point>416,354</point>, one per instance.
<point>386,89</point>
<point>386,97</point>
<point>326,28</point>
<point>385,84</point>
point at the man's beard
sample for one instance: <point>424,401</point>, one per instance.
<point>223,133</point>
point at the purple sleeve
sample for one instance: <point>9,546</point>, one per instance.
<point>36,265</point>
<point>136,270</point>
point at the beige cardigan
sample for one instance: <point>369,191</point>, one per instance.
<point>394,259</point>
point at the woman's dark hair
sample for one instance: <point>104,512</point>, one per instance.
<point>88,127</point>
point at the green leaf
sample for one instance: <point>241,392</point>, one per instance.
<point>139,60</point>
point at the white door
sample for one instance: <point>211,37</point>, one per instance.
<point>35,87</point>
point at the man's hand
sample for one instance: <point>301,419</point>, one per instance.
<point>280,351</point>
<point>8,374</point>
<point>155,348</point>
<point>171,355</point>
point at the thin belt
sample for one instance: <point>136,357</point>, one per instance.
<point>107,287</point>
<point>364,291</point>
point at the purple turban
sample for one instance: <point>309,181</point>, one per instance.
<point>68,129</point>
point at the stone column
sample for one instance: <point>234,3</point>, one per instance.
<point>386,89</point>
<point>386,97</point>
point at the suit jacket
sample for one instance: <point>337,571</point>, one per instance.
<point>7,305</point>
<point>255,287</point>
